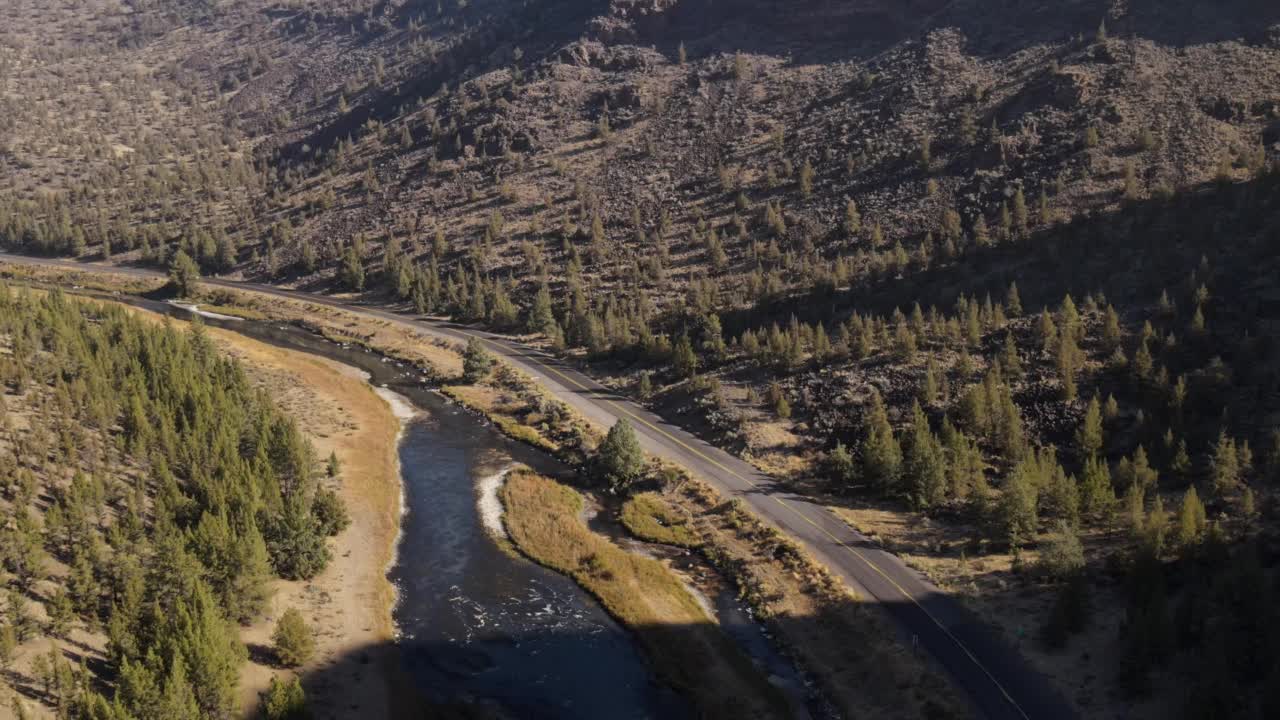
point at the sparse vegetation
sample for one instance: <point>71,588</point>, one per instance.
<point>829,287</point>
<point>687,648</point>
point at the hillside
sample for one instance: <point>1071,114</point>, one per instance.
<point>995,280</point>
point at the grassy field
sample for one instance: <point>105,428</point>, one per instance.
<point>686,647</point>
<point>650,517</point>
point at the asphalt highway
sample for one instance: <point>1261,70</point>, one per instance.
<point>994,675</point>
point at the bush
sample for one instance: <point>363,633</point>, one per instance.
<point>476,362</point>
<point>651,518</point>
<point>1062,557</point>
<point>619,459</point>
<point>183,275</point>
<point>294,642</point>
<point>285,701</point>
<point>330,511</point>
<point>1069,614</point>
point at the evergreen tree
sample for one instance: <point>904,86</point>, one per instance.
<point>295,541</point>
<point>476,361</point>
<point>293,640</point>
<point>840,467</point>
<point>1097,496</point>
<point>1012,302</point>
<point>209,648</point>
<point>1062,556</point>
<point>1089,435</point>
<point>1191,518</point>
<point>852,219</point>
<point>1225,465</point>
<point>308,258</point>
<point>8,645</point>
<point>352,270</point>
<point>881,454</point>
<point>683,360</point>
<point>619,460</point>
<point>924,468</point>
<point>1016,515</point>
<point>184,275</point>
<point>541,317</point>
<point>285,700</point>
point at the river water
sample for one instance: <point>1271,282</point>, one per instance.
<point>480,625</point>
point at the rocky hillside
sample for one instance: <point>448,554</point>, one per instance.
<point>1004,271</point>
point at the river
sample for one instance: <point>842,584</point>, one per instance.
<point>478,624</point>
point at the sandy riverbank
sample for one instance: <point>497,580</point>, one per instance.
<point>349,604</point>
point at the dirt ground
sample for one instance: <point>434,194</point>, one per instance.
<point>349,604</point>
<point>1014,601</point>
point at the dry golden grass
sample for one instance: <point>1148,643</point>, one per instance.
<point>684,644</point>
<point>349,604</point>
<point>849,648</point>
<point>649,517</point>
<point>504,409</point>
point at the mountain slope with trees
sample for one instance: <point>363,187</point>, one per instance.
<point>996,280</point>
<point>150,495</point>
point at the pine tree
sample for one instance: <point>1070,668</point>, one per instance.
<point>352,271</point>
<point>1089,435</point>
<point>683,360</point>
<point>184,275</point>
<point>840,467</point>
<point>1020,215</point>
<point>285,700</point>
<point>929,384</point>
<point>476,361</point>
<point>541,316</point>
<point>1225,465</point>
<point>806,178</point>
<point>1016,514</point>
<point>308,258</point>
<point>1097,496</point>
<point>881,454</point>
<point>295,541</point>
<point>1012,302</point>
<point>924,468</point>
<point>177,698</point>
<point>1062,556</point>
<point>293,641</point>
<point>8,645</point>
<point>619,460</point>
<point>644,387</point>
<point>1191,518</point>
<point>852,219</point>
<point>210,650</point>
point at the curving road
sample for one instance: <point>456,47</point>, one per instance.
<point>997,680</point>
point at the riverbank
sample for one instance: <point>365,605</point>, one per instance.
<point>850,649</point>
<point>349,604</point>
<point>543,518</point>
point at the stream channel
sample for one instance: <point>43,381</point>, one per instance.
<point>479,625</point>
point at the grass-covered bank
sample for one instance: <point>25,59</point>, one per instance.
<point>847,646</point>
<point>685,646</point>
<point>649,516</point>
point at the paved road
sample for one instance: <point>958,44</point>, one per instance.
<point>996,678</point>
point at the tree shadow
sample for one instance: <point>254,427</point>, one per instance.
<point>497,673</point>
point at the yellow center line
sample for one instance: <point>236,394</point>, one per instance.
<point>624,411</point>
<point>748,481</point>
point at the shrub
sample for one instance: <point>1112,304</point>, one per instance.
<point>294,642</point>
